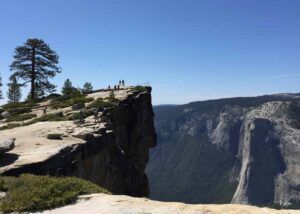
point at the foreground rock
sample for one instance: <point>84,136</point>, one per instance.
<point>115,204</point>
<point>112,152</point>
<point>7,145</point>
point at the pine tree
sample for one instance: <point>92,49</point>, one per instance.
<point>14,93</point>
<point>35,63</point>
<point>1,94</point>
<point>68,89</point>
<point>87,87</point>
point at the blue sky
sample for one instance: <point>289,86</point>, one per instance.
<point>187,50</point>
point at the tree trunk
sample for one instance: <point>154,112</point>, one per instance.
<point>32,96</point>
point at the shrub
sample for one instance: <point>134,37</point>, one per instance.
<point>20,117</point>
<point>52,96</point>
<point>49,117</point>
<point>18,111</point>
<point>77,100</point>
<point>67,101</point>
<point>10,126</point>
<point>18,108</point>
<point>34,193</point>
<point>10,106</point>
<point>2,185</point>
<point>76,116</point>
<point>100,103</point>
<point>139,88</point>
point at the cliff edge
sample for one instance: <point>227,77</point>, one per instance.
<point>110,150</point>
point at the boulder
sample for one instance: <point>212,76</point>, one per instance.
<point>5,114</point>
<point>7,145</point>
<point>3,195</point>
<point>55,136</point>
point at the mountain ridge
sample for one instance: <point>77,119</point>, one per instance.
<point>201,149</point>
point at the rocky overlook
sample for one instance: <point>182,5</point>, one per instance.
<point>110,150</point>
<point>235,150</point>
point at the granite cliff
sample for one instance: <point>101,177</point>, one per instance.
<point>236,150</point>
<point>112,152</point>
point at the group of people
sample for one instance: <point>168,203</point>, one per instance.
<point>117,87</point>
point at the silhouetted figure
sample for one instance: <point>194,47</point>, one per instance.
<point>45,111</point>
<point>118,87</point>
<point>81,116</point>
<point>115,87</point>
<point>123,82</point>
<point>120,82</point>
<point>109,87</point>
<point>96,115</point>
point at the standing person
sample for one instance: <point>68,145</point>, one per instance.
<point>45,111</point>
<point>81,116</point>
<point>123,82</point>
<point>109,87</point>
<point>96,115</point>
<point>115,87</point>
<point>120,82</point>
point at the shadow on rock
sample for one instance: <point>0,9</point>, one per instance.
<point>7,159</point>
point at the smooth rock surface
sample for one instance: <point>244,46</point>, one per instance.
<point>120,204</point>
<point>7,145</point>
<point>5,114</point>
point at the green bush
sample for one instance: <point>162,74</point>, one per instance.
<point>77,100</point>
<point>139,88</point>
<point>11,106</point>
<point>18,111</point>
<point>51,97</point>
<point>76,116</point>
<point>10,126</point>
<point>49,117</point>
<point>20,117</point>
<point>18,108</point>
<point>62,102</point>
<point>34,193</point>
<point>2,185</point>
<point>100,103</point>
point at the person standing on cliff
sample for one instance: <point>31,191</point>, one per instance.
<point>81,116</point>
<point>45,111</point>
<point>96,115</point>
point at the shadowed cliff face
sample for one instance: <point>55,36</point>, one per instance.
<point>113,155</point>
<point>240,150</point>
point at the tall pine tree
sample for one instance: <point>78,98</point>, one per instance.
<point>1,94</point>
<point>35,63</point>
<point>14,92</point>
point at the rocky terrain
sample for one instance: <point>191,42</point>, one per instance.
<point>102,203</point>
<point>237,150</point>
<point>111,151</point>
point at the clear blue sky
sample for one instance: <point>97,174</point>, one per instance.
<point>186,49</point>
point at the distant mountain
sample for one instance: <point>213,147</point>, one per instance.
<point>240,150</point>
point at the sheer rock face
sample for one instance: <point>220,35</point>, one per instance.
<point>240,150</point>
<point>112,154</point>
<point>270,156</point>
